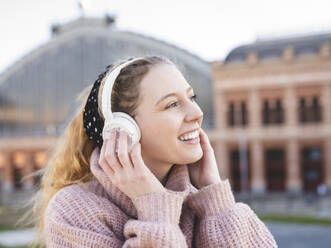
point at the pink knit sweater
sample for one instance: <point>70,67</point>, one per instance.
<point>97,214</point>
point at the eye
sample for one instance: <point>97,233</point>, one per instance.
<point>194,97</point>
<point>174,104</point>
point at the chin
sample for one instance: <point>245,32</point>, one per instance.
<point>192,157</point>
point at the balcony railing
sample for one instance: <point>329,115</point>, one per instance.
<point>273,116</point>
<point>310,114</point>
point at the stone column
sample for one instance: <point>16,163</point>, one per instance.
<point>221,108</point>
<point>326,104</point>
<point>28,168</point>
<point>222,159</point>
<point>293,180</point>
<point>291,111</point>
<point>326,115</point>
<point>7,172</point>
<point>254,108</point>
<point>327,164</point>
<point>258,183</point>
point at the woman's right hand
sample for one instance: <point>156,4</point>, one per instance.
<point>127,171</point>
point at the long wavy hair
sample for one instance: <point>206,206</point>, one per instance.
<point>69,160</point>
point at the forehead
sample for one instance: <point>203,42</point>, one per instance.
<point>161,80</point>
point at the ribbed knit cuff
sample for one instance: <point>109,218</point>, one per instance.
<point>212,199</point>
<point>159,207</point>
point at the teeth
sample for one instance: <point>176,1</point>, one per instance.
<point>188,136</point>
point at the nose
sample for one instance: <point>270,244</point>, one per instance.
<point>194,113</point>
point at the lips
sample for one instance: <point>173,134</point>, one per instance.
<point>191,141</point>
<point>193,130</point>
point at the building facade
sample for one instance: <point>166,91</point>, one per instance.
<point>272,103</point>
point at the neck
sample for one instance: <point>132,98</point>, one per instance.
<point>160,170</point>
<point>162,175</point>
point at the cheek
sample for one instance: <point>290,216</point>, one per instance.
<point>160,131</point>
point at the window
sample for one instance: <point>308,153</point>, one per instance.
<point>265,110</point>
<point>309,113</point>
<point>231,115</point>
<point>316,110</point>
<point>243,114</point>
<point>272,113</point>
<point>237,114</point>
<point>280,112</point>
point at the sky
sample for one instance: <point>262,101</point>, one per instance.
<point>207,28</point>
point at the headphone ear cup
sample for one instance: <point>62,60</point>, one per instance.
<point>125,122</point>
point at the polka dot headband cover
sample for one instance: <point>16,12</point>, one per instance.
<point>93,123</point>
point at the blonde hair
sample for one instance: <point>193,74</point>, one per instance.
<point>69,162</point>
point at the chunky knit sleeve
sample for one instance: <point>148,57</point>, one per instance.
<point>158,222</point>
<point>225,223</point>
<point>75,218</point>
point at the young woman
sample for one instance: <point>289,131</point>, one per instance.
<point>162,189</point>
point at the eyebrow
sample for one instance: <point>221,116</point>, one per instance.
<point>172,94</point>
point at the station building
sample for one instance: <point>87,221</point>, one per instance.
<point>272,110</point>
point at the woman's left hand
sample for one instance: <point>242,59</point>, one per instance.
<point>205,171</point>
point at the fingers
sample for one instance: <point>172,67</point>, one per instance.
<point>136,157</point>
<point>106,156</point>
<point>95,153</point>
<point>112,161</point>
<point>122,153</point>
<point>203,136</point>
<point>204,140</point>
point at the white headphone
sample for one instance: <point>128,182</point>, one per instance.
<point>120,120</point>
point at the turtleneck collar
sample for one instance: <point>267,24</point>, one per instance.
<point>178,183</point>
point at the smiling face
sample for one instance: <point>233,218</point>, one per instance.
<point>163,118</point>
